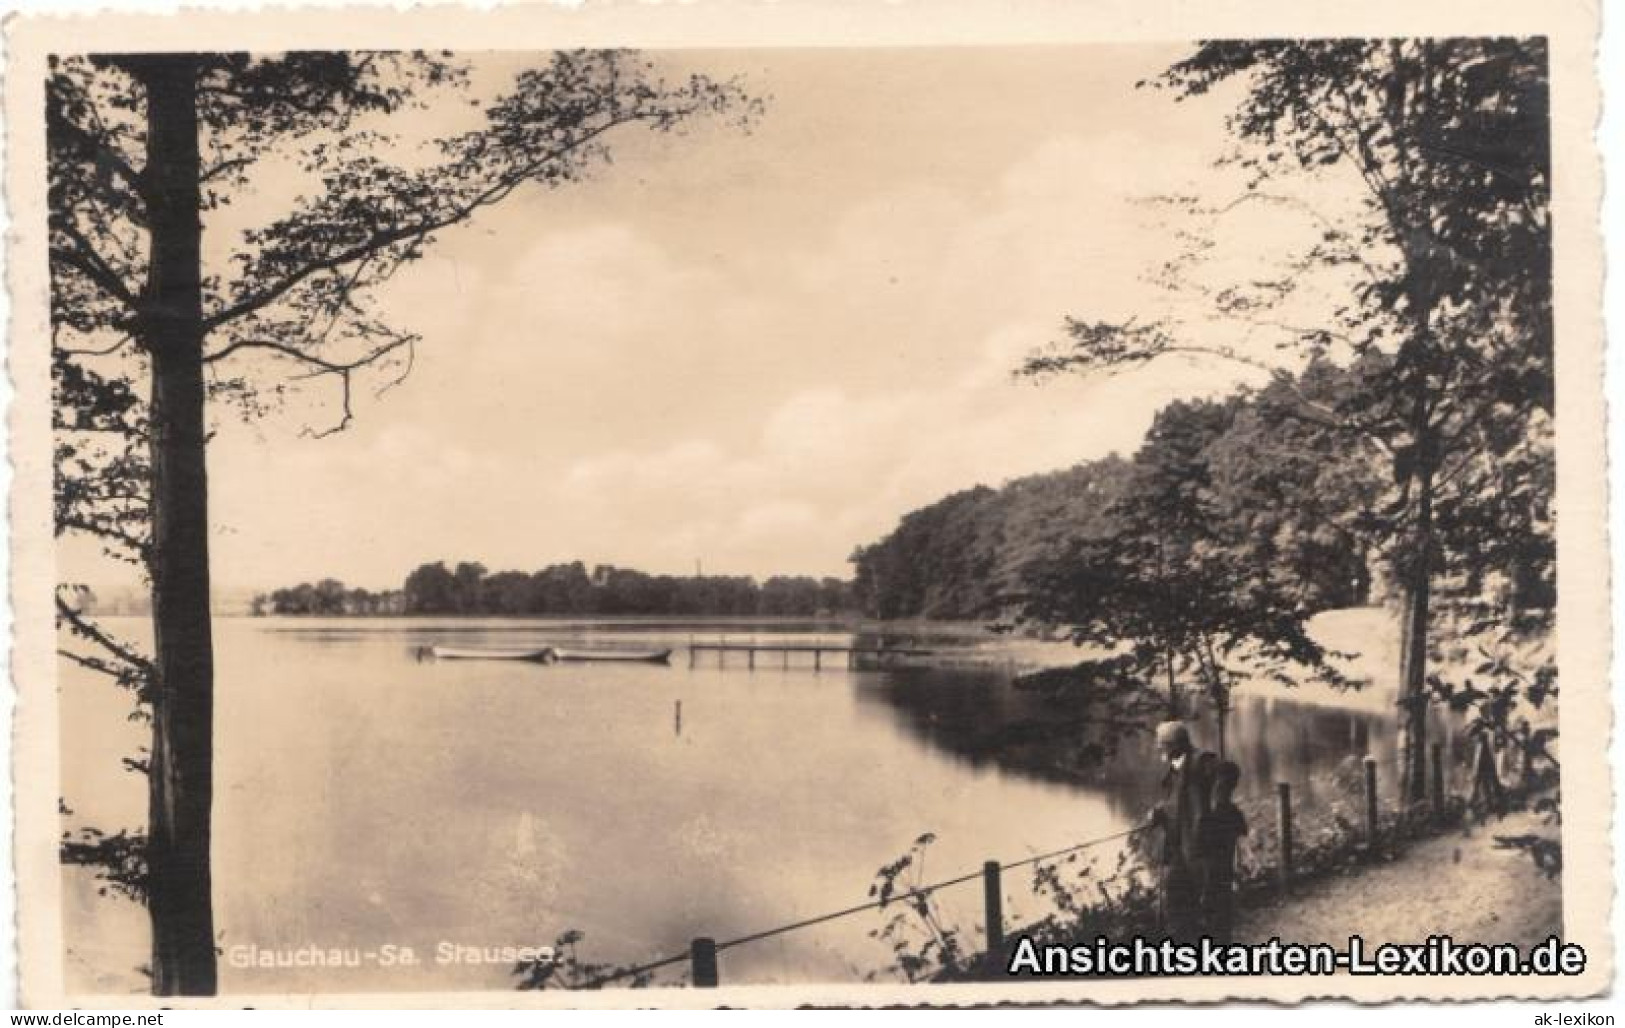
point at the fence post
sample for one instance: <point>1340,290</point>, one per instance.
<point>1284,792</point>
<point>702,958</point>
<point>993,900</point>
<point>1371,802</point>
<point>1438,781</point>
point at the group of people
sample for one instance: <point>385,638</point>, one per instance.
<point>1200,826</point>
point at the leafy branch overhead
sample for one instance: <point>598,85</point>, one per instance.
<point>298,290</point>
<point>163,306</point>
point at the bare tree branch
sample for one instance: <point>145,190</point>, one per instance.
<point>415,233</point>
<point>84,256</point>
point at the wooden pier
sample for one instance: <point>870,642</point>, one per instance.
<point>751,649</point>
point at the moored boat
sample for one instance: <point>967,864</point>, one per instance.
<point>642,656</point>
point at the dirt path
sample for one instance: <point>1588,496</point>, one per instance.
<point>1459,885</point>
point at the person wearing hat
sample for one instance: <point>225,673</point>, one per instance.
<point>1186,790</point>
<point>1224,827</point>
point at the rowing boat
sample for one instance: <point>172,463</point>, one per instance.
<point>541,655</point>
<point>641,656</point>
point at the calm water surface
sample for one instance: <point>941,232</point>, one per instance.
<point>366,798</point>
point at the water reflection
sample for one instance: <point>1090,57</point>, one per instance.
<point>365,798</point>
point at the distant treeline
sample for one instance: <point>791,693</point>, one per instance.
<point>1256,486</point>
<point>567,589</point>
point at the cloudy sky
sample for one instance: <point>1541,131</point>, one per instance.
<point>754,350</point>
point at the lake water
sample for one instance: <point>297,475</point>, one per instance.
<point>367,798</point>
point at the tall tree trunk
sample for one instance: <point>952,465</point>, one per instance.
<point>1414,643</point>
<point>180,780</point>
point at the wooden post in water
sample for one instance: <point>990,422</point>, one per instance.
<point>1371,802</point>
<point>1438,781</point>
<point>752,658</point>
<point>993,902</point>
<point>818,660</point>
<point>702,959</point>
<point>1284,793</point>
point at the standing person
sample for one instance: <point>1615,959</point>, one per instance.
<point>1225,824</point>
<point>1180,815</point>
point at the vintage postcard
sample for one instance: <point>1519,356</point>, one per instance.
<point>809,503</point>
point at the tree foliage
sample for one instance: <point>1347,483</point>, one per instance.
<point>1283,501</point>
<point>1191,567</point>
<point>1446,273</point>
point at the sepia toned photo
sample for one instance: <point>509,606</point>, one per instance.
<point>615,509</point>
